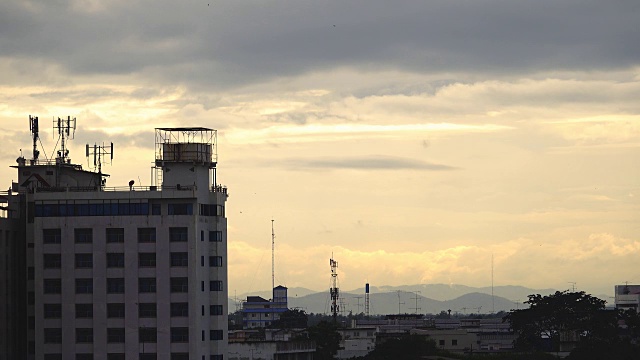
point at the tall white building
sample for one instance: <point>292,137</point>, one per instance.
<point>127,272</point>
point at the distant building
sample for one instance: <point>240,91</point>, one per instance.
<point>627,297</point>
<point>258,312</point>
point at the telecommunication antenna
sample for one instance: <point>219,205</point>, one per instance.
<point>399,303</point>
<point>65,132</point>
<point>416,298</point>
<point>35,134</point>
<point>273,257</point>
<point>98,151</point>
<point>493,300</point>
<point>358,304</point>
<point>334,289</point>
<point>573,285</point>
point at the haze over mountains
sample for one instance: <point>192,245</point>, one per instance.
<point>421,298</point>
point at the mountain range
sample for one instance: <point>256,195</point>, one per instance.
<point>421,299</point>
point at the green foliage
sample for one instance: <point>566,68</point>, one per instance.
<point>327,339</point>
<point>560,315</point>
<point>291,319</point>
<point>408,347</point>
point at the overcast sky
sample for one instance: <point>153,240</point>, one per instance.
<point>413,140</point>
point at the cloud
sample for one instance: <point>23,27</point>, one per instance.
<point>233,43</point>
<point>378,162</point>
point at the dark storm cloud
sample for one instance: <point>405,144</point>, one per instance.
<point>366,163</point>
<point>232,42</point>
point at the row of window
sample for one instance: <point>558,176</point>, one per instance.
<point>116,260</point>
<point>116,285</point>
<point>120,356</point>
<point>116,235</point>
<point>116,310</point>
<point>118,335</point>
<point>120,208</point>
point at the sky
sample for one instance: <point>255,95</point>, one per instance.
<point>415,141</point>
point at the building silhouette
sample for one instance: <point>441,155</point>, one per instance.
<point>131,272</point>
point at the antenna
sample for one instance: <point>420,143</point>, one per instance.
<point>493,299</point>
<point>416,298</point>
<point>64,131</point>
<point>334,289</point>
<point>358,305</point>
<point>399,301</point>
<point>35,132</point>
<point>573,285</point>
<point>98,152</point>
<point>273,258</point>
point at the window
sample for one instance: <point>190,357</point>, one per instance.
<point>84,311</point>
<point>115,285</point>
<point>52,356</point>
<point>32,322</point>
<point>179,285</point>
<point>115,356</point>
<point>84,261</point>
<point>156,209</point>
<point>215,236</point>
<point>454,342</point>
<point>147,285</point>
<point>83,236</point>
<point>147,310</point>
<point>211,210</point>
<point>51,236</point>
<point>215,310</point>
<point>146,259</point>
<point>201,260</point>
<point>179,259</point>
<point>179,356</point>
<point>84,286</point>
<point>178,234</point>
<point>180,209</point>
<point>215,261</point>
<point>215,285</point>
<point>52,311</point>
<point>86,356</point>
<point>201,235</point>
<point>31,273</point>
<point>53,336</point>
<point>115,260</point>
<point>441,342</point>
<point>52,261</point>
<point>216,357</point>
<point>52,286</point>
<point>115,310</point>
<point>115,235</point>
<point>31,297</point>
<point>179,334</point>
<point>146,235</point>
<point>147,335</point>
<point>148,356</point>
<point>115,335</point>
<point>215,335</point>
<point>180,309</point>
<point>84,335</point>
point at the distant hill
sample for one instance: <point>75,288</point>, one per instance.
<point>423,298</point>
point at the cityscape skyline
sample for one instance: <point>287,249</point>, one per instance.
<point>414,143</point>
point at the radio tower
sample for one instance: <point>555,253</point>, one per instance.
<point>273,258</point>
<point>334,289</point>
<point>366,300</point>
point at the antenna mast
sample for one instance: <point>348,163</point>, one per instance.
<point>493,300</point>
<point>366,300</point>
<point>64,130</point>
<point>35,132</point>
<point>334,289</point>
<point>98,152</point>
<point>273,257</point>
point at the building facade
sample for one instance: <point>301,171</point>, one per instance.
<point>127,272</point>
<point>258,312</point>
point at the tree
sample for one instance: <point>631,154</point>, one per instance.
<point>562,316</point>
<point>327,339</point>
<point>291,319</point>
